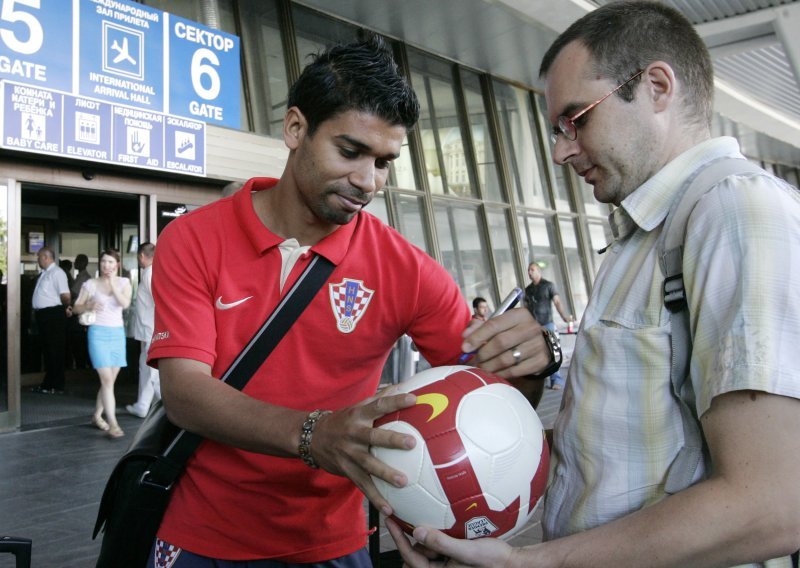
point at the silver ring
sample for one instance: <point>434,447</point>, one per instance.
<point>517,356</point>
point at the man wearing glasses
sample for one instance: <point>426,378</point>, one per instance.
<point>629,96</point>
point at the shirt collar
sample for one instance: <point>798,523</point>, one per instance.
<point>333,247</point>
<point>649,204</point>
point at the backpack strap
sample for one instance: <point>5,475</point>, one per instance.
<point>670,252</point>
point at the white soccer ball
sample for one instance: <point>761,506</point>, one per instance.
<point>481,460</point>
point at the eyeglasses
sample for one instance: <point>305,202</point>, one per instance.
<point>566,124</point>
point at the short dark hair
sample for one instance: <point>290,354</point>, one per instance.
<point>476,302</point>
<point>147,249</point>
<point>81,261</point>
<point>624,37</point>
<point>360,76</point>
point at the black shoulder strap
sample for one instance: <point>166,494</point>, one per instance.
<point>167,469</point>
<point>670,251</point>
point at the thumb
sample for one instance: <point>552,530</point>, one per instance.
<point>436,541</point>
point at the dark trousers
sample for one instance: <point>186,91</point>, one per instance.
<point>52,324</point>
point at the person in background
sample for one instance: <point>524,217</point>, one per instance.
<point>149,385</point>
<point>480,309</point>
<point>66,265</point>
<point>290,454</point>
<point>81,275</point>
<point>76,333</point>
<point>107,295</point>
<point>51,306</point>
<point>539,295</point>
<point>629,91</point>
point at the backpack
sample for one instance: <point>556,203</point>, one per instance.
<point>670,253</point>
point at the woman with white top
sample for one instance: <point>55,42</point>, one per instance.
<point>106,295</point>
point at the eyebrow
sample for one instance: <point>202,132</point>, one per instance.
<point>570,109</point>
<point>366,148</point>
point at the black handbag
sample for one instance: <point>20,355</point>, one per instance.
<point>138,491</point>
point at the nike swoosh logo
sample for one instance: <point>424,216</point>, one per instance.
<point>437,402</point>
<point>223,306</point>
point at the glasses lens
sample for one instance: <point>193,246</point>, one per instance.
<point>567,128</point>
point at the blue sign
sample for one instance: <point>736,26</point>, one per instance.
<point>185,145</point>
<point>87,129</point>
<point>122,47</point>
<point>49,122</point>
<point>36,42</point>
<point>211,57</point>
<point>31,119</point>
<point>127,55</point>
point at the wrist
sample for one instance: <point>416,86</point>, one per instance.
<point>306,436</point>
<point>553,346</point>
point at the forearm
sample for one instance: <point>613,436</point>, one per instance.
<point>205,405</point>
<point>711,524</point>
<point>749,511</point>
<point>560,308</point>
<point>122,295</point>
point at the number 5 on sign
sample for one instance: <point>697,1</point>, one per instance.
<point>34,43</point>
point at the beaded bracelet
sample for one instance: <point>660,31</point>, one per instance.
<point>304,449</point>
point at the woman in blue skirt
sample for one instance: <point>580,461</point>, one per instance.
<point>106,295</point>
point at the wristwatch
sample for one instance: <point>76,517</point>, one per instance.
<point>554,346</point>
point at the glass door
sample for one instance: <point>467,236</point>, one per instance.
<point>9,398</point>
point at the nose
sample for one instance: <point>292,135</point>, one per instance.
<point>366,176</point>
<point>564,149</point>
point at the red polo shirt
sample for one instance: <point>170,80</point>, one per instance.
<point>215,280</point>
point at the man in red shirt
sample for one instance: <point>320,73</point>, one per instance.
<point>246,495</point>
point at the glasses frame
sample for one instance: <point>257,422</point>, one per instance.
<point>566,124</point>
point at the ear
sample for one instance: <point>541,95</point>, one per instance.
<point>662,85</point>
<point>295,128</point>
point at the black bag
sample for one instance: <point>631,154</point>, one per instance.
<point>138,491</point>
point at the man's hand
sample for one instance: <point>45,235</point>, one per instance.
<point>435,549</point>
<point>341,443</point>
<point>499,338</point>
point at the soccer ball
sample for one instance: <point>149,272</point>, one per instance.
<point>481,460</point>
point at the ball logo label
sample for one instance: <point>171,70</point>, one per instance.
<point>479,527</point>
<point>349,301</point>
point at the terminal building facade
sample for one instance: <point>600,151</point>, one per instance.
<point>475,186</point>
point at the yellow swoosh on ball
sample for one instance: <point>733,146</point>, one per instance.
<point>437,402</point>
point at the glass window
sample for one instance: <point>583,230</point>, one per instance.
<point>580,297</point>
<point>788,173</point>
<point>524,155</point>
<point>264,59</point>
<point>502,250</point>
<point>439,127</point>
<point>3,298</point>
<point>464,248</point>
<point>401,170</point>
<point>537,234</point>
<point>600,236</point>
<point>410,215</point>
<point>481,137</point>
<point>379,207</point>
<point>590,204</point>
<point>560,173</point>
<point>314,32</point>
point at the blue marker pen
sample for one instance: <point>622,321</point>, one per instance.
<point>510,301</point>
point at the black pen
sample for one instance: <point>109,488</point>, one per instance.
<point>510,301</point>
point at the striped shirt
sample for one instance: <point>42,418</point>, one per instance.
<point>619,427</point>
